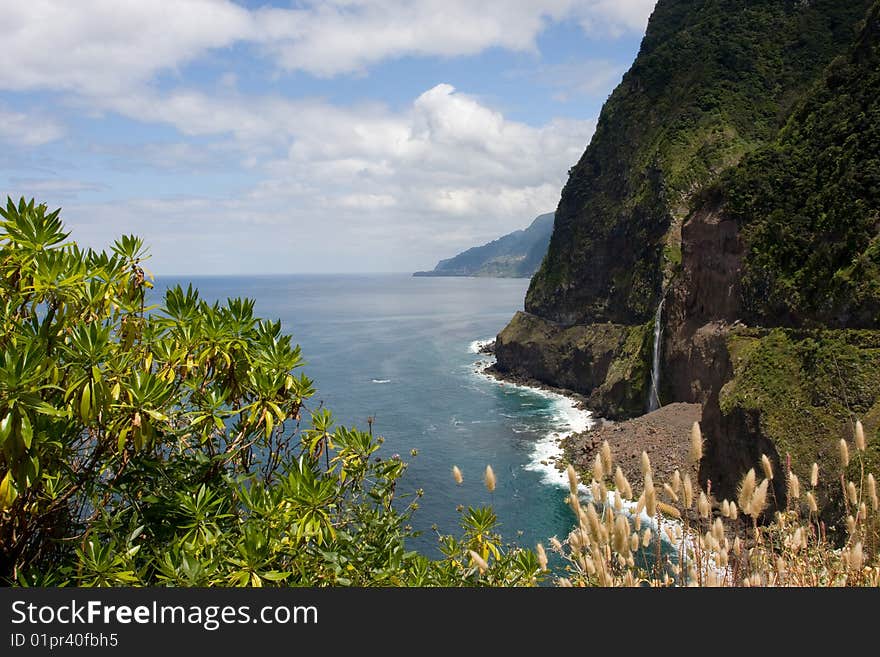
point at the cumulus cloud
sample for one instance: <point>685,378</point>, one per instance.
<point>99,47</point>
<point>106,47</point>
<point>398,186</point>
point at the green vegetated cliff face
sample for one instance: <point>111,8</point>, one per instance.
<point>808,204</point>
<point>807,207</point>
<point>713,84</point>
<point>713,81</point>
<point>796,393</point>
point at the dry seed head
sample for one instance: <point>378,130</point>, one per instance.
<point>646,537</point>
<point>669,491</point>
<point>668,510</point>
<point>576,540</point>
<point>794,486</point>
<point>594,524</point>
<point>856,558</point>
<point>478,561</point>
<point>851,525</point>
<point>646,463</point>
<point>688,492</point>
<point>555,544</point>
<point>863,512</point>
<point>746,490</point>
<point>564,582</point>
<point>860,436</point>
<point>759,499</point>
<point>649,482</point>
<point>596,491</point>
<point>634,542</point>
<point>734,512</point>
<point>814,475</point>
<point>703,505</point>
<point>676,481</point>
<point>575,503</point>
<point>718,530</point>
<point>768,468</point>
<point>651,502</point>
<point>618,504</point>
<point>737,546</point>
<point>620,482</point>
<point>725,509</point>
<point>640,504</point>
<point>797,540</point>
<point>669,535</point>
<point>811,503</point>
<point>872,490</point>
<point>598,468</point>
<point>489,479</point>
<point>456,474</point>
<point>621,536</point>
<point>572,480</point>
<point>852,493</point>
<point>844,454</point>
<point>542,557</point>
<point>696,452</point>
<point>607,460</point>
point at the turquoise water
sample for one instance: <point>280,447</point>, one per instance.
<point>400,349</point>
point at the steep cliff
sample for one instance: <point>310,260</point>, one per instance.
<point>713,80</point>
<point>734,172</point>
<point>788,241</point>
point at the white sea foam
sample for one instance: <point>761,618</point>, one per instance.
<point>567,418</point>
<point>381,380</point>
<point>475,346</point>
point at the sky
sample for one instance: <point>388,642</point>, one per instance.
<point>259,137</point>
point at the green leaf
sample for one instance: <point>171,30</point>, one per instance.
<point>5,427</point>
<point>85,403</point>
<point>27,431</point>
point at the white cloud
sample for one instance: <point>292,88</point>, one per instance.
<point>107,47</point>
<point>101,47</point>
<point>27,130</point>
<point>388,189</point>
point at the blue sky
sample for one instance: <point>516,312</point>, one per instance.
<point>332,136</point>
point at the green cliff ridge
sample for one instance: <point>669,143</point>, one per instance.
<point>515,255</point>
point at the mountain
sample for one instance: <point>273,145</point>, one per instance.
<point>516,255</point>
<point>729,200</point>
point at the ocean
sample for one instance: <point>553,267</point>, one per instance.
<point>403,350</point>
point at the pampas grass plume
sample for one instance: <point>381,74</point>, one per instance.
<point>768,468</point>
<point>607,460</point>
<point>542,556</point>
<point>478,561</point>
<point>572,480</point>
<point>489,479</point>
<point>696,451</point>
<point>860,436</point>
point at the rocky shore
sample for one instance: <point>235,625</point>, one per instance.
<point>664,434</point>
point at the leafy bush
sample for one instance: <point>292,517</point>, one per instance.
<point>174,445</point>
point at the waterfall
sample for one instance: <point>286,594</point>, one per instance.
<point>653,398</point>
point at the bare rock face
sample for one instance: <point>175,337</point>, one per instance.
<point>605,362</point>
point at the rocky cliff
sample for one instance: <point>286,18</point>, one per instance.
<point>734,172</point>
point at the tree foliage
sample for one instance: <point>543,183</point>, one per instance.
<point>174,444</point>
